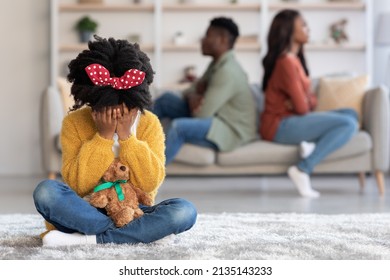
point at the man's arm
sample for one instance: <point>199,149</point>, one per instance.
<point>219,90</point>
<point>196,96</point>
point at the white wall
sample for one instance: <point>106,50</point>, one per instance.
<point>24,59</point>
<point>381,53</point>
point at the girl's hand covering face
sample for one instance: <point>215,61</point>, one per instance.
<point>113,119</point>
<point>126,119</point>
<point>106,121</point>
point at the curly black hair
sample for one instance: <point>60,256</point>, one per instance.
<point>117,56</point>
<point>228,25</point>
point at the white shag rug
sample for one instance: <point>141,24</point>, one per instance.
<point>225,236</point>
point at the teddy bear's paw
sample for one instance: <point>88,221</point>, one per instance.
<point>98,201</point>
<point>123,217</point>
<point>87,197</point>
<point>138,213</point>
<point>146,200</point>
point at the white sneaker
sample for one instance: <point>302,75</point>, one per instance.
<point>306,148</point>
<point>302,182</point>
<point>57,238</point>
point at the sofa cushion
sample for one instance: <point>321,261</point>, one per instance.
<point>264,152</point>
<point>337,93</point>
<point>195,155</point>
<point>258,99</point>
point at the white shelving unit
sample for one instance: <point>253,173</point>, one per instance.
<point>157,21</point>
<point>192,20</point>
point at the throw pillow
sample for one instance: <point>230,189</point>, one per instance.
<point>337,93</point>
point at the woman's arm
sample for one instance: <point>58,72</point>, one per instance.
<point>290,83</point>
<point>313,101</point>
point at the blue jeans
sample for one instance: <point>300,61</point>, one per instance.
<point>329,130</point>
<point>63,208</point>
<point>184,128</point>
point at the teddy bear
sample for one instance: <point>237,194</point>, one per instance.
<point>118,196</point>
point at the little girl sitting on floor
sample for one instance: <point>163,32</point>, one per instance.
<point>109,120</point>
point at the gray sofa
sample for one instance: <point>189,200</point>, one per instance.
<point>367,152</point>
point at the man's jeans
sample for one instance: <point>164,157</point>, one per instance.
<point>63,208</point>
<point>184,128</point>
<point>329,130</point>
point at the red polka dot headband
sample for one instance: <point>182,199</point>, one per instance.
<point>100,76</point>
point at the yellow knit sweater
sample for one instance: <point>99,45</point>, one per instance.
<point>86,155</point>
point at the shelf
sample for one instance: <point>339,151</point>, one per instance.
<point>196,47</point>
<point>250,47</point>
<point>358,6</point>
<point>257,47</point>
<point>106,8</point>
<point>334,47</point>
<point>211,7</point>
<point>80,47</point>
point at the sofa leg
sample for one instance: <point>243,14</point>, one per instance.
<point>380,180</point>
<point>362,180</point>
<point>52,176</point>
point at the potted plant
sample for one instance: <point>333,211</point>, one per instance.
<point>86,28</point>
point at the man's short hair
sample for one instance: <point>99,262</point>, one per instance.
<point>229,25</point>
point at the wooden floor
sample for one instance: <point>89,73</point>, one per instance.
<point>339,194</point>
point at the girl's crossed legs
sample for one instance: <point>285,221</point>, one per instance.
<point>78,222</point>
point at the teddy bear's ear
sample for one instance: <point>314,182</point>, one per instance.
<point>110,172</point>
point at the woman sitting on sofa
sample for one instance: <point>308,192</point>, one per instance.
<point>288,117</point>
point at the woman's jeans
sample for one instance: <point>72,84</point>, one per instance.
<point>184,128</point>
<point>63,208</point>
<point>329,130</point>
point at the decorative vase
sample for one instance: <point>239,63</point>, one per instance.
<point>85,36</point>
<point>179,38</point>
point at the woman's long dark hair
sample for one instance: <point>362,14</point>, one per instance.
<point>279,40</point>
<point>117,56</point>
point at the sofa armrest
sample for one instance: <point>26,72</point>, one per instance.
<point>51,122</point>
<point>376,123</point>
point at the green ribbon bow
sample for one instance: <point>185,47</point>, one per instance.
<point>108,185</point>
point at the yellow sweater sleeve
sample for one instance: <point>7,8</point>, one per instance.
<point>85,155</point>
<point>144,154</point>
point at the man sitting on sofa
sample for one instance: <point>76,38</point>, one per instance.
<point>217,111</point>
